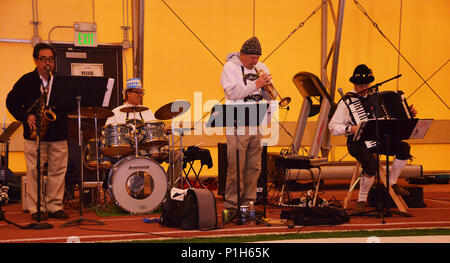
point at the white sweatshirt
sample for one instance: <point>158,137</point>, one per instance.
<point>232,79</point>
<point>341,120</point>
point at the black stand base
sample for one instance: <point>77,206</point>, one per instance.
<point>237,217</point>
<point>80,221</point>
<point>39,226</point>
<point>381,212</point>
<point>35,226</point>
<point>2,218</point>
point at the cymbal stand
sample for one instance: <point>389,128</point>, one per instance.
<point>181,158</point>
<point>181,133</point>
<point>80,220</point>
<point>171,161</point>
<point>96,153</point>
<point>136,146</point>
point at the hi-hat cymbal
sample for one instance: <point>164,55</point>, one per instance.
<point>172,110</point>
<point>91,113</point>
<point>134,109</point>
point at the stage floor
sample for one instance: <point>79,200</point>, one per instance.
<point>125,227</point>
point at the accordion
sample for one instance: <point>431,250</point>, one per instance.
<point>391,105</point>
<point>387,105</point>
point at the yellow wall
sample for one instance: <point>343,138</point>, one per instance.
<point>176,64</point>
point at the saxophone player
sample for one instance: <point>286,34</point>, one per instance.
<point>54,150</point>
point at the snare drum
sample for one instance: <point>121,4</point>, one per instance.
<point>158,154</point>
<point>151,135</point>
<point>137,184</point>
<point>90,156</point>
<point>117,140</point>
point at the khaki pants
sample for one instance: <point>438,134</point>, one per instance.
<point>250,150</point>
<point>56,155</point>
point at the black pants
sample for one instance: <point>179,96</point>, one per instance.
<point>358,149</point>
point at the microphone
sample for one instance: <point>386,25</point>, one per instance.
<point>341,92</point>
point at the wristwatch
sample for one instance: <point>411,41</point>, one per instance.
<point>348,129</point>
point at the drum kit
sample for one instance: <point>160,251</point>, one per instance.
<point>131,156</point>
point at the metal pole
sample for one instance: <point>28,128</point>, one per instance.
<point>322,121</point>
<point>138,38</point>
<point>337,40</point>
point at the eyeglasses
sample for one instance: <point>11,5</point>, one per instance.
<point>138,92</point>
<point>46,59</point>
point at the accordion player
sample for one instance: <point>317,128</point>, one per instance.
<point>358,106</point>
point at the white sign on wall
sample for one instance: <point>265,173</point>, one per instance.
<point>86,69</point>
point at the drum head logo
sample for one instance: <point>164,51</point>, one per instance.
<point>138,167</point>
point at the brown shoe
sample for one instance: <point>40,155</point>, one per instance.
<point>400,191</point>
<point>39,216</point>
<point>60,214</point>
<point>360,207</point>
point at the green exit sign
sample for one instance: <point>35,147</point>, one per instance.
<point>85,34</point>
<point>85,39</point>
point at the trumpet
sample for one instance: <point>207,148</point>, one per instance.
<point>270,93</point>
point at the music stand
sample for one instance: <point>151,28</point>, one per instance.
<point>238,115</point>
<point>74,92</point>
<point>4,138</point>
<point>393,129</point>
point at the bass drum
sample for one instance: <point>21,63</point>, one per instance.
<point>137,184</point>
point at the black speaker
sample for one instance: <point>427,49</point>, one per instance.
<point>413,200</point>
<point>223,168</point>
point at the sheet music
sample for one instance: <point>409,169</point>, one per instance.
<point>369,144</point>
<point>109,88</point>
<point>421,129</point>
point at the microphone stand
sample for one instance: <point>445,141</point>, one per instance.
<point>39,225</point>
<point>378,84</point>
<point>377,132</point>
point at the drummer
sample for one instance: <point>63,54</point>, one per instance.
<point>134,94</point>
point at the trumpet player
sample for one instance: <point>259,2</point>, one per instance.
<point>54,150</point>
<point>241,81</point>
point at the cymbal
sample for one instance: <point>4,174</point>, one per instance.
<point>172,110</point>
<point>134,109</point>
<point>91,113</point>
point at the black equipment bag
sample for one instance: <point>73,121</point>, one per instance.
<point>172,213</point>
<point>311,216</point>
<point>197,211</point>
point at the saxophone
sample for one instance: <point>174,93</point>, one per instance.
<point>270,93</point>
<point>45,115</point>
